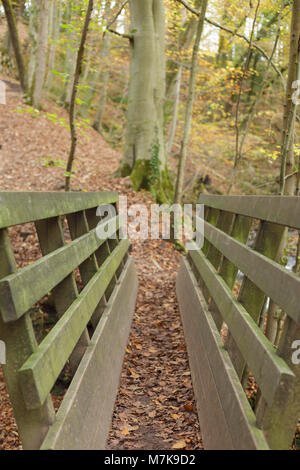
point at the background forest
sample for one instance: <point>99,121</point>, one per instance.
<point>238,85</point>
<point>161,101</point>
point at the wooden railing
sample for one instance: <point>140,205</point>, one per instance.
<point>225,333</point>
<point>93,326</point>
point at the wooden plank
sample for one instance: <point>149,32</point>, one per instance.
<point>78,226</point>
<point>226,399</point>
<point>19,291</point>
<point>253,299</point>
<point>38,375</point>
<point>20,343</point>
<point>225,223</point>
<point>279,421</point>
<point>283,210</point>
<point>270,371</point>
<point>22,207</point>
<point>240,232</point>
<point>84,418</point>
<point>278,283</point>
<point>51,237</point>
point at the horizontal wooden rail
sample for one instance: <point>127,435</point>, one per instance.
<point>223,408</point>
<point>91,316</point>
<point>19,207</point>
<point>84,417</point>
<point>17,294</point>
<point>270,371</point>
<point>279,284</point>
<point>234,342</point>
<point>40,371</point>
<point>282,210</point>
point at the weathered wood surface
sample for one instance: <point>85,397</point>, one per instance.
<point>279,284</point>
<point>19,291</point>
<point>40,371</point>
<point>270,371</point>
<point>226,418</point>
<point>280,420</point>
<point>51,237</point>
<point>283,210</point>
<point>20,208</point>
<point>84,418</point>
<point>20,344</point>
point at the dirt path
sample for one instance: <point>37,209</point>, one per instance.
<point>155,406</point>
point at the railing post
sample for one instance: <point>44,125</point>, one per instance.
<point>20,343</point>
<point>51,237</point>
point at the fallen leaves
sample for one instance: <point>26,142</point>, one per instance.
<point>179,445</point>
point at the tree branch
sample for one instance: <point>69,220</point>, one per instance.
<point>117,15</point>
<point>125,36</point>
<point>234,33</point>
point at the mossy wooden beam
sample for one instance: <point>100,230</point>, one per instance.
<point>19,291</point>
<point>278,283</point>
<point>51,237</point>
<point>224,223</point>
<point>280,420</point>
<point>84,418</point>
<point>270,371</point>
<point>22,207</point>
<point>240,232</point>
<point>227,420</point>
<point>78,226</point>
<point>20,344</point>
<point>39,373</point>
<point>251,296</point>
<point>282,210</point>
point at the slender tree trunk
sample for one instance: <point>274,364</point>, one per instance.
<point>173,124</point>
<point>54,28</point>
<point>11,21</point>
<point>288,185</point>
<point>145,136</point>
<point>79,62</point>
<point>33,32</point>
<point>189,106</point>
<point>262,87</point>
<point>102,99</point>
<point>101,76</point>
<point>42,50</point>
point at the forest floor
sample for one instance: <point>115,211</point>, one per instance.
<point>155,407</point>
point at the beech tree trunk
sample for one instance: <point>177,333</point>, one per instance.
<point>13,31</point>
<point>42,49</point>
<point>54,27</point>
<point>72,114</point>
<point>145,136</point>
<point>189,105</point>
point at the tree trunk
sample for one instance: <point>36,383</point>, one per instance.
<point>102,99</point>
<point>288,186</point>
<point>42,49</point>
<point>33,32</point>
<point>54,28</point>
<point>145,147</point>
<point>101,76</point>
<point>77,73</point>
<point>173,124</point>
<point>189,105</point>
<point>12,25</point>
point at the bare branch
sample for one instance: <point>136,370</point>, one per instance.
<point>125,36</point>
<point>117,15</point>
<point>235,33</point>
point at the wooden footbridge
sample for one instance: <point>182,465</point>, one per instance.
<point>225,332</point>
